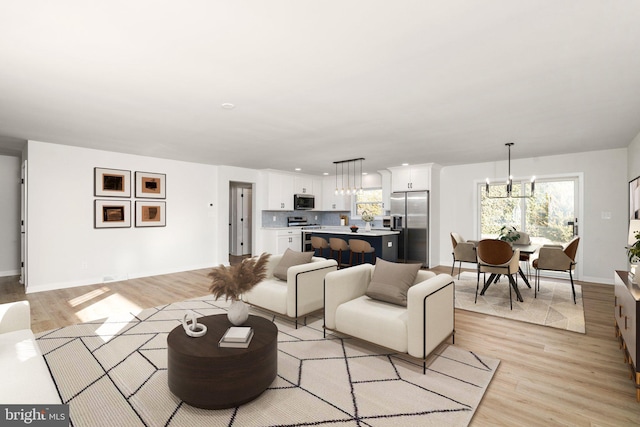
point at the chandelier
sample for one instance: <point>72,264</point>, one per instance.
<point>352,184</point>
<point>509,184</point>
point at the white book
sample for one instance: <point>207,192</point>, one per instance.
<point>237,334</point>
<point>236,344</point>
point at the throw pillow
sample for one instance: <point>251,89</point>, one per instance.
<point>391,281</point>
<point>289,259</point>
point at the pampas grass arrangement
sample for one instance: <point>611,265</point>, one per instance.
<point>234,280</point>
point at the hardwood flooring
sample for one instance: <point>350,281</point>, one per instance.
<point>546,376</point>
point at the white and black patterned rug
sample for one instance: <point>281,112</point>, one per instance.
<point>553,306</point>
<point>114,372</point>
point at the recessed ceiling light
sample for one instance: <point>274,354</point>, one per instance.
<point>405,164</point>
<point>298,169</point>
<point>325,173</point>
<point>365,173</point>
<point>228,106</point>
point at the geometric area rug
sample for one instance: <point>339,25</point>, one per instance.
<point>552,307</point>
<point>113,372</point>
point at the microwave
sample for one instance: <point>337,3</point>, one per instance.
<point>303,202</point>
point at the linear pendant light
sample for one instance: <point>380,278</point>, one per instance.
<point>349,190</point>
<point>509,183</point>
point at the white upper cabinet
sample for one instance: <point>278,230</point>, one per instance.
<point>331,201</point>
<point>280,191</point>
<point>411,178</point>
<point>303,185</point>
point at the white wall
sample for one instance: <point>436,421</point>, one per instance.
<point>65,250</point>
<point>633,159</point>
<point>605,190</point>
<point>9,216</point>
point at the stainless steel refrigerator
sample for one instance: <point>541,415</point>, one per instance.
<point>410,216</point>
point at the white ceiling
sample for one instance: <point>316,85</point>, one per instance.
<point>315,82</point>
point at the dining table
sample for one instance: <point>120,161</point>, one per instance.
<point>529,249</point>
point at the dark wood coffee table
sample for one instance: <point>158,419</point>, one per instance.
<point>206,376</point>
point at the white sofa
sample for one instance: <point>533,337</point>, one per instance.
<point>417,329</point>
<point>299,295</point>
<point>24,374</point>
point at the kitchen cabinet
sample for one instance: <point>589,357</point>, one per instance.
<point>277,240</point>
<point>280,191</point>
<point>303,185</point>
<point>332,201</point>
<point>411,178</point>
<point>291,239</point>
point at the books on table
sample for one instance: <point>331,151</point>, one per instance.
<point>236,337</point>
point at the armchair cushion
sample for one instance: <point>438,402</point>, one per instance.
<point>289,259</point>
<point>391,281</point>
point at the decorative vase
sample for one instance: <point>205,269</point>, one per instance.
<point>367,227</point>
<point>238,312</point>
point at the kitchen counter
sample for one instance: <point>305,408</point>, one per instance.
<point>360,232</point>
<point>385,242</point>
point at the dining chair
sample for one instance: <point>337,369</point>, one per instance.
<point>497,257</point>
<point>463,251</point>
<point>524,239</point>
<point>557,258</point>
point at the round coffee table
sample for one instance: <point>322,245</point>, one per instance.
<point>207,376</point>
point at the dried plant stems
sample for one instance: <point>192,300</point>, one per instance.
<point>233,281</point>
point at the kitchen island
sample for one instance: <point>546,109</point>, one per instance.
<point>384,241</point>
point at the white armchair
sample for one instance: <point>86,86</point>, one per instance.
<point>417,329</point>
<point>25,375</point>
<point>299,295</point>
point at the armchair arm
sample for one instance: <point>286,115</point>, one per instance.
<point>342,286</point>
<point>15,316</point>
<point>465,251</point>
<point>305,286</point>
<point>553,258</point>
<point>430,305</point>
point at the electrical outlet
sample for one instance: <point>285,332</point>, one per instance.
<point>274,218</point>
<point>316,217</point>
<point>389,244</point>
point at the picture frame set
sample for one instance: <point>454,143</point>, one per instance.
<point>634,198</point>
<point>116,183</point>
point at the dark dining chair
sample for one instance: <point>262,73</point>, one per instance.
<point>497,257</point>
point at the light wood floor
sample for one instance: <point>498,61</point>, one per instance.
<point>546,376</point>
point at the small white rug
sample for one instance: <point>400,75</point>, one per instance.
<point>553,306</point>
<point>113,372</point>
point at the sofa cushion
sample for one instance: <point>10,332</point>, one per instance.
<point>270,294</point>
<point>374,321</point>
<point>391,281</point>
<point>289,259</point>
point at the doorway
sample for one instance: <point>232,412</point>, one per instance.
<point>240,220</point>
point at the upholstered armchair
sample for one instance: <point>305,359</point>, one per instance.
<point>557,258</point>
<point>421,316</point>
<point>463,251</point>
<point>293,286</point>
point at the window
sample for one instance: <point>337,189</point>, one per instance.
<point>369,200</point>
<point>548,216</point>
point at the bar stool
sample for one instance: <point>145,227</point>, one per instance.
<point>360,248</point>
<point>319,243</point>
<point>339,245</point>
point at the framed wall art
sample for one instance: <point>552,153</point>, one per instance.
<point>151,214</point>
<point>112,182</point>
<point>151,185</point>
<point>112,213</point>
<point>634,198</point>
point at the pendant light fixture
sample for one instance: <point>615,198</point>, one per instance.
<point>509,183</point>
<point>349,189</point>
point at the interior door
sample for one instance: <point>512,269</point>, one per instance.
<point>23,225</point>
